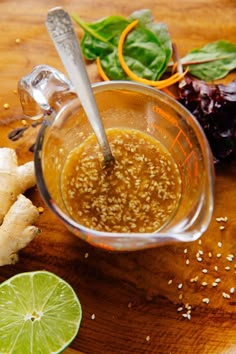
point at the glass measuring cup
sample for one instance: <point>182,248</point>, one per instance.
<point>47,93</point>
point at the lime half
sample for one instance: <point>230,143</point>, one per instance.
<point>39,313</point>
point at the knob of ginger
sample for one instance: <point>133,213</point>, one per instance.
<point>17,213</point>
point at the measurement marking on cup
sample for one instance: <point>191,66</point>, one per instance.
<point>187,158</point>
<point>176,141</point>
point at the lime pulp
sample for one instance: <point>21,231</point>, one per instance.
<point>39,313</point>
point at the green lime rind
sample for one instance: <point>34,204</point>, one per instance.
<point>39,313</point>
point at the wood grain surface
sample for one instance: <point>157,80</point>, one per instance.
<point>134,296</point>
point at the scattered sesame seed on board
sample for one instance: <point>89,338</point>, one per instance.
<point>225,295</point>
<point>187,315</point>
<point>40,210</point>
<point>230,258</point>
<point>179,309</point>
<point>206,300</point>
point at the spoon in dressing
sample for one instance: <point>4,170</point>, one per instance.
<point>60,28</point>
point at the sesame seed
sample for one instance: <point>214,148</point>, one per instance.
<point>216,268</point>
<point>40,210</point>
<point>200,252</point>
<point>86,255</point>
<point>222,219</point>
<point>179,309</point>
<point>225,295</point>
<point>186,315</point>
<point>214,284</point>
<point>200,242</point>
<point>24,122</point>
<point>218,255</point>
<point>185,250</point>
<point>199,259</point>
<point>6,106</point>
<point>206,300</point>
<point>219,244</point>
<point>229,258</point>
<point>180,286</point>
<point>209,254</point>
<point>148,338</point>
<point>232,291</point>
<point>194,280</point>
<point>180,296</point>
<point>227,268</point>
<point>129,305</point>
<point>204,270</point>
<point>17,40</point>
<point>170,282</point>
<point>93,317</point>
<point>221,227</point>
<point>204,283</point>
<point>187,261</point>
<point>218,280</point>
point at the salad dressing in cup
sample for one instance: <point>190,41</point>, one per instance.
<point>160,189</point>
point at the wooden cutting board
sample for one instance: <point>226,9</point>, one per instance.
<point>130,300</point>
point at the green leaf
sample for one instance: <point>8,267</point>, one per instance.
<point>147,48</point>
<point>211,62</point>
<point>101,37</point>
<point>159,29</point>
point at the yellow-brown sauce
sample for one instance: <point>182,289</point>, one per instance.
<point>139,193</point>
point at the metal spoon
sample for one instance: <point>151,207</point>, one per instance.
<point>60,28</point>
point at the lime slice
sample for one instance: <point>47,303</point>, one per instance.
<point>39,313</point>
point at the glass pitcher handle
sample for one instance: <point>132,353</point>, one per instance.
<point>43,92</point>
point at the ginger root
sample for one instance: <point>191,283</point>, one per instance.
<point>16,230</point>
<point>17,213</point>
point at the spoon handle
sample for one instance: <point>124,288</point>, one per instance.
<point>61,30</point>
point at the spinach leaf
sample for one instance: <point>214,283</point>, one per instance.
<point>211,62</point>
<point>101,37</point>
<point>158,28</point>
<point>144,52</point>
